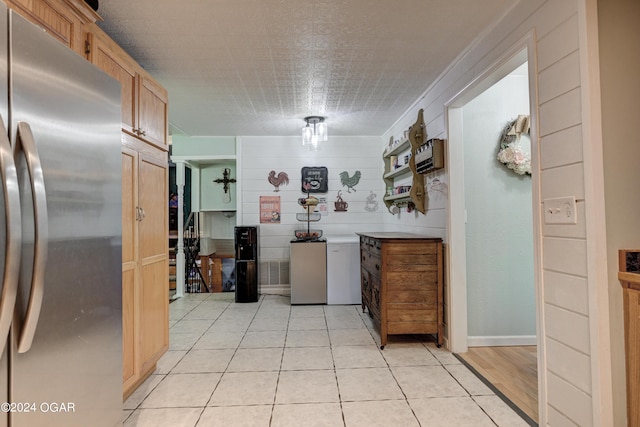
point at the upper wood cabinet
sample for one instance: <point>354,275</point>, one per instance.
<point>152,111</point>
<point>63,19</point>
<point>144,101</point>
<point>104,54</point>
<point>73,22</point>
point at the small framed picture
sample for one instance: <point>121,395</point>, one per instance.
<point>315,179</point>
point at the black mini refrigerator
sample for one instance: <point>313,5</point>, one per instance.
<point>247,252</point>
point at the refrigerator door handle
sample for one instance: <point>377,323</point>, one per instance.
<point>25,138</point>
<point>13,234</point>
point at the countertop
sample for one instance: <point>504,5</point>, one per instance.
<point>389,235</point>
<point>337,239</point>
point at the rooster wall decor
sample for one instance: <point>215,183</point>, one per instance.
<point>348,181</point>
<point>281,179</point>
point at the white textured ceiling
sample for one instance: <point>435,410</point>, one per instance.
<point>257,67</point>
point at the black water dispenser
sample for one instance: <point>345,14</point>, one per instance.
<point>247,250</point>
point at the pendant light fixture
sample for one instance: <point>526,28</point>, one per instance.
<point>314,132</point>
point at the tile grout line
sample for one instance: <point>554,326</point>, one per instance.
<point>275,393</point>
<point>335,371</point>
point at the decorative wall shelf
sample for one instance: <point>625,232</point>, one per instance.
<point>397,197</point>
<point>430,156</point>
<point>400,147</point>
<point>404,169</point>
<point>416,196</point>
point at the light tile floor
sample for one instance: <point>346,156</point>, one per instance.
<point>273,364</point>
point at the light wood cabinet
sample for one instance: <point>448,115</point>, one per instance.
<point>629,276</point>
<point>402,283</point>
<point>152,112</point>
<point>145,263</point>
<point>130,270</point>
<point>631,296</point>
<point>145,215</point>
<point>63,19</point>
<point>103,54</point>
<point>144,101</point>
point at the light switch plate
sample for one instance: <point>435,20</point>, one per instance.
<point>560,210</point>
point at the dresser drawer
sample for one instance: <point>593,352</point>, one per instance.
<point>417,280</point>
<point>365,287</point>
<point>413,262</point>
<point>413,327</point>
<point>412,313</point>
<point>396,294</point>
<point>373,246</point>
<point>376,297</point>
<point>371,263</point>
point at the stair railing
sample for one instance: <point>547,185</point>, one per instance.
<point>194,281</point>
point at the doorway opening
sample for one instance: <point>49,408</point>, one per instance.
<point>493,320</point>
<point>173,218</point>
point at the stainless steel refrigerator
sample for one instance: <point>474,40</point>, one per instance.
<point>60,234</point>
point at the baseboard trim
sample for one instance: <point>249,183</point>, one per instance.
<point>284,290</point>
<point>502,341</point>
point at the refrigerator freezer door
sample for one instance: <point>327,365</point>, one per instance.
<point>4,114</point>
<point>74,365</point>
<point>308,273</point>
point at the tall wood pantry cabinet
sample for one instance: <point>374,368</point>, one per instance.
<point>145,266</point>
<point>145,210</point>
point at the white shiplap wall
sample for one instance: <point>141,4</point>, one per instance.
<point>260,155</point>
<point>570,315</point>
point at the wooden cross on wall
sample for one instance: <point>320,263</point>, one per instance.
<point>225,180</point>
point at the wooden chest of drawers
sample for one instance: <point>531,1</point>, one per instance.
<point>401,282</point>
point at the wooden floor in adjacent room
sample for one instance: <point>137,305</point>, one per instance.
<point>512,371</point>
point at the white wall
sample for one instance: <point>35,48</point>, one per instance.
<point>260,155</point>
<point>619,65</point>
<point>212,195</point>
<point>574,313</point>
<point>499,230</point>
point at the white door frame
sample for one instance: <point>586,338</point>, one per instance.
<point>523,51</point>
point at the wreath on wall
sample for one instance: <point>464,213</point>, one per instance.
<point>510,152</point>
